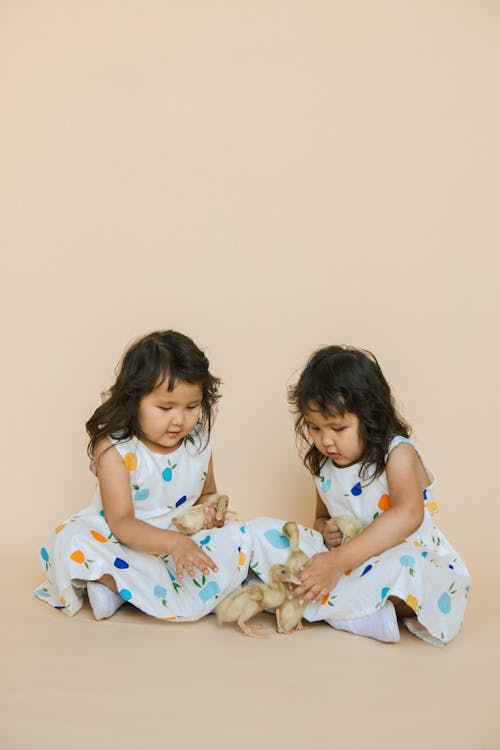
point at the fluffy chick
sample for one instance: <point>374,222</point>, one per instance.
<point>191,520</point>
<point>349,525</point>
<point>289,614</point>
<point>248,601</point>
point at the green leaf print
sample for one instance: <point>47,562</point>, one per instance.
<point>254,568</point>
<point>189,439</point>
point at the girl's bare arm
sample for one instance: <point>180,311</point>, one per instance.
<point>114,483</point>
<point>403,518</point>
<point>326,525</point>
<point>405,482</point>
<point>322,514</point>
<point>209,485</point>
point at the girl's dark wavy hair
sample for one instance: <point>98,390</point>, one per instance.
<point>159,356</point>
<point>340,379</point>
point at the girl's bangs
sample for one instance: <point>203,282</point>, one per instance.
<point>330,403</point>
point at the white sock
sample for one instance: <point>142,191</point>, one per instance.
<point>382,625</point>
<point>415,627</point>
<point>103,601</point>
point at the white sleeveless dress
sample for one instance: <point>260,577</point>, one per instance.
<point>83,548</point>
<point>424,571</point>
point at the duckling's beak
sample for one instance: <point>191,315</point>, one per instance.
<point>294,579</point>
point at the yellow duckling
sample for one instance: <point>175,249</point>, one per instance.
<point>191,520</point>
<point>289,614</point>
<point>349,525</point>
<point>248,601</point>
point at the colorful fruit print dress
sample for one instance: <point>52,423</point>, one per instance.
<point>424,571</point>
<point>83,548</point>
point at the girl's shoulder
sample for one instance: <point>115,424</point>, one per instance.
<point>129,445</point>
<point>410,452</point>
<point>399,440</point>
<point>105,444</point>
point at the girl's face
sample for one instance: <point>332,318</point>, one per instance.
<point>166,417</point>
<point>335,436</point>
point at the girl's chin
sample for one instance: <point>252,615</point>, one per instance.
<point>163,444</point>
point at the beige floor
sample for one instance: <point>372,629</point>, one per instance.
<point>77,683</point>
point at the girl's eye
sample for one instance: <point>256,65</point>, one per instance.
<point>338,429</point>
<point>313,429</point>
<point>165,408</point>
<point>196,406</point>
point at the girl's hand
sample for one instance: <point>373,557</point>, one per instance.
<point>332,534</point>
<point>188,555</point>
<point>213,516</point>
<point>319,576</point>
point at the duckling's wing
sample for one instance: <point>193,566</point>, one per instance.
<point>190,521</point>
<point>242,604</point>
<point>291,615</point>
<point>253,603</point>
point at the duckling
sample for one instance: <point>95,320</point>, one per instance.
<point>289,614</point>
<point>349,525</point>
<point>248,601</point>
<point>191,520</point>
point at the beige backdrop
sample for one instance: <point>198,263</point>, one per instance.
<point>268,178</point>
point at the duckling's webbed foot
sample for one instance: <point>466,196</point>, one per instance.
<point>253,633</point>
<point>277,612</point>
<point>279,626</point>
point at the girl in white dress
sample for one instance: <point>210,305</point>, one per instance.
<point>150,448</point>
<point>359,453</point>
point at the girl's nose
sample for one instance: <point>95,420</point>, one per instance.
<point>328,440</point>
